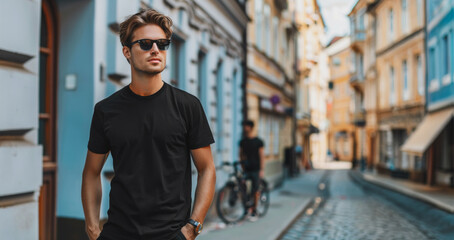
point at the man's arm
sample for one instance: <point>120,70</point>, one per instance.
<point>92,192</point>
<point>206,180</point>
<point>262,162</point>
<point>242,158</point>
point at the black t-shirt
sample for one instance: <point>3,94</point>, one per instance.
<point>250,148</point>
<point>150,138</point>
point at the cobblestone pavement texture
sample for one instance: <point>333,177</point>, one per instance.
<point>351,212</point>
<point>286,203</point>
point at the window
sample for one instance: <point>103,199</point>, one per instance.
<point>275,39</point>
<point>405,80</point>
<point>267,19</point>
<point>361,66</point>
<point>267,135</point>
<point>202,78</point>
<point>176,56</point>
<point>220,106</point>
<point>404,16</point>
<point>336,61</point>
<point>420,75</point>
<point>419,7</point>
<point>446,63</point>
<point>258,23</point>
<point>432,69</point>
<point>276,137</point>
<point>392,83</point>
<point>434,84</point>
<point>391,24</point>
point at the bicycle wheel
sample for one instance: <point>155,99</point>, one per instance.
<point>229,204</point>
<point>263,202</point>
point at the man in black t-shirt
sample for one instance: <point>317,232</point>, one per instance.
<point>151,128</point>
<point>252,159</point>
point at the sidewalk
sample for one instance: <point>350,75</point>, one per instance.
<point>441,197</point>
<point>286,204</point>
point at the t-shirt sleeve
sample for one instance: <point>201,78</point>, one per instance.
<point>261,144</point>
<point>199,132</point>
<point>98,141</point>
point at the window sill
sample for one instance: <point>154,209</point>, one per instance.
<point>446,80</point>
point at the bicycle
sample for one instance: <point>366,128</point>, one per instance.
<point>234,199</point>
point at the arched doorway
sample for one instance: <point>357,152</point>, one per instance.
<point>47,120</point>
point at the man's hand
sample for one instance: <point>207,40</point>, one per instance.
<point>188,232</point>
<point>261,174</point>
<point>93,234</point>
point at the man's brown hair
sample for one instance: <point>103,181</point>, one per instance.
<point>142,18</point>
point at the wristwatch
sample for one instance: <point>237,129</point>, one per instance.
<point>197,226</point>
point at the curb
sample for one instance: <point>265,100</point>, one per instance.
<point>289,221</point>
<point>409,192</point>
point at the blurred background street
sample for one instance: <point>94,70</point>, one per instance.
<point>354,100</point>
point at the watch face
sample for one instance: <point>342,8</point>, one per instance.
<point>200,227</point>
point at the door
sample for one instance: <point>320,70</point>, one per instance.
<point>47,121</point>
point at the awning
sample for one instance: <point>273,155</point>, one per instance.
<point>427,131</point>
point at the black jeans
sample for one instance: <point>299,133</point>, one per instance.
<point>179,236</point>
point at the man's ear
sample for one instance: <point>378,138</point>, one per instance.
<point>126,52</point>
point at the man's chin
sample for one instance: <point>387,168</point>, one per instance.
<point>151,72</point>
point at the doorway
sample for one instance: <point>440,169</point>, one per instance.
<point>47,120</point>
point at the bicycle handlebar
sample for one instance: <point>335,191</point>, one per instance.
<point>234,164</point>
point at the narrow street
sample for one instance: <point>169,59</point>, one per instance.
<point>350,208</point>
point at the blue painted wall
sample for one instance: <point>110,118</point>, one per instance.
<point>445,26</point>
<point>74,107</point>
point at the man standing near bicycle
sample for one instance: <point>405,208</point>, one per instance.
<point>150,128</point>
<point>252,161</point>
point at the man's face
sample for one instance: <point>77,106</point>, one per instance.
<point>150,62</point>
<point>247,129</point>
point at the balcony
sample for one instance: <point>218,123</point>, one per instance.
<point>281,4</point>
<point>359,118</point>
<point>358,37</point>
<point>357,82</point>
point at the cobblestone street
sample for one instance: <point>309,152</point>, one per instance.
<point>349,211</point>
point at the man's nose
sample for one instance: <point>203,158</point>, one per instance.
<point>154,47</point>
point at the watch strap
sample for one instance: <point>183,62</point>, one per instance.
<point>197,226</point>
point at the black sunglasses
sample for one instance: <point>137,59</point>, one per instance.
<point>147,44</point>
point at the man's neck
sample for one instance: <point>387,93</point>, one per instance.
<point>250,136</point>
<point>144,84</point>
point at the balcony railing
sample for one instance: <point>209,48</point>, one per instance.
<point>359,118</point>
<point>281,4</point>
<point>358,35</point>
<point>356,78</point>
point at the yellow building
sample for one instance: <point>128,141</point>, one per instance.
<point>270,80</point>
<point>341,131</point>
<point>358,36</point>
<point>399,50</point>
<point>370,91</point>
<point>312,86</point>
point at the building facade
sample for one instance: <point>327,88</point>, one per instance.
<point>270,80</point>
<point>370,97</point>
<point>400,57</point>
<point>433,140</point>
<point>76,63</point>
<point>342,131</point>
<point>312,77</point>
<point>358,19</point>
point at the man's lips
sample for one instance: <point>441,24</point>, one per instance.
<point>154,60</point>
